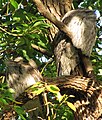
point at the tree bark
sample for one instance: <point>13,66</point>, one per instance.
<point>87,92</point>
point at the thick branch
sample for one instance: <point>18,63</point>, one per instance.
<point>87,92</point>
<point>74,82</point>
<point>51,18</point>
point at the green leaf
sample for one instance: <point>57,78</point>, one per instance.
<point>25,54</point>
<point>38,91</point>
<point>37,23</point>
<point>3,44</point>
<point>72,96</point>
<point>0,3</point>
<point>3,101</point>
<point>36,85</point>
<point>23,118</point>
<point>14,3</point>
<point>59,96</point>
<point>19,110</point>
<point>71,106</point>
<point>42,44</point>
<point>52,88</point>
<point>27,18</point>
<point>16,19</point>
<point>11,90</point>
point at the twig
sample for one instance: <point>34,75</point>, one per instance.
<point>47,106</point>
<point>15,35</point>
<point>43,51</point>
<point>49,61</point>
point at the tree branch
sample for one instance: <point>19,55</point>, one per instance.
<point>41,50</point>
<point>52,18</point>
<point>87,92</point>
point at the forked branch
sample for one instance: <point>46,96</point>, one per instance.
<point>52,18</point>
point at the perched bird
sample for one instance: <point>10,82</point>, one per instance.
<point>21,75</point>
<point>82,25</point>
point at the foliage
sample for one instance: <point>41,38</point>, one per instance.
<point>57,104</point>
<point>21,25</point>
<point>7,102</point>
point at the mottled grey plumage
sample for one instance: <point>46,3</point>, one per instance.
<point>81,24</point>
<point>22,75</point>
<point>66,54</point>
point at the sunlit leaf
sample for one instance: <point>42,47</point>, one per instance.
<point>71,106</point>
<point>38,91</point>
<point>52,88</point>
<point>90,7</point>
<point>16,19</point>
<point>25,54</point>
<point>27,18</point>
<point>11,90</point>
<point>59,96</point>
<point>17,102</point>
<point>71,96</point>
<point>38,84</point>
<point>37,23</point>
<point>14,3</point>
<point>42,44</point>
